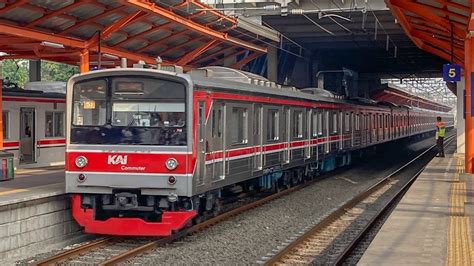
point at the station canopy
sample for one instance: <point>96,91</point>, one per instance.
<point>436,26</point>
<point>393,94</point>
<point>181,32</point>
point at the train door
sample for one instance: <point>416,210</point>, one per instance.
<point>201,145</point>
<point>27,135</point>
<point>286,136</point>
<point>258,137</point>
<point>217,145</point>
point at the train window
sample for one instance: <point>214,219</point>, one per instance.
<point>256,120</point>
<point>347,122</point>
<point>89,104</point>
<point>54,126</point>
<point>217,122</point>
<point>357,122</point>
<point>298,124</point>
<point>6,124</point>
<point>273,125</point>
<point>320,123</point>
<point>315,124</point>
<point>239,124</point>
<point>335,124</point>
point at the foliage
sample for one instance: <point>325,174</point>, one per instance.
<point>17,71</point>
<point>52,71</point>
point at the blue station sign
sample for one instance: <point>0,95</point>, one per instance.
<point>451,72</point>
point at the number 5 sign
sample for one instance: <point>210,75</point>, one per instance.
<point>451,72</point>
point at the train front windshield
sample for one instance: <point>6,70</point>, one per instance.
<point>122,110</point>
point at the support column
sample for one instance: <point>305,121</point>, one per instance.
<point>272,63</point>
<point>84,61</point>
<point>460,121</point>
<point>469,129</point>
<point>34,70</point>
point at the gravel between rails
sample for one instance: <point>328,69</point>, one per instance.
<point>248,237</point>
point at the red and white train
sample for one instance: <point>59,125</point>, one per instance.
<point>149,151</point>
<point>33,124</point>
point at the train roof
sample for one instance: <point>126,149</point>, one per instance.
<point>38,89</point>
<point>237,80</point>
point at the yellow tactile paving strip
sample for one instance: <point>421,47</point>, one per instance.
<point>459,231</point>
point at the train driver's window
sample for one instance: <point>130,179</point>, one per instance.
<point>6,124</point>
<point>239,123</point>
<point>273,125</point>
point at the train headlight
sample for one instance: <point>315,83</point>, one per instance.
<point>171,164</point>
<point>81,161</point>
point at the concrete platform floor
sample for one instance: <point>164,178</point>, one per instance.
<point>32,184</point>
<point>429,226</point>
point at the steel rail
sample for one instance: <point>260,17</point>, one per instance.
<point>355,242</point>
<point>278,258</point>
<point>73,252</point>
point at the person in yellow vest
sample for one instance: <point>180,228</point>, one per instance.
<point>440,133</point>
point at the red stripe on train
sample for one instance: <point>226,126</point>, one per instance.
<point>127,162</point>
<point>36,100</point>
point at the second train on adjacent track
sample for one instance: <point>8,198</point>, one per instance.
<point>150,151</point>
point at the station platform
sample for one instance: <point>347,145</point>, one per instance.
<point>30,184</point>
<point>432,223</point>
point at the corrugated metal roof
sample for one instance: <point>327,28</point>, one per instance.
<point>143,29</point>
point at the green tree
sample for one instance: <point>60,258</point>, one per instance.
<point>52,71</point>
<point>16,71</point>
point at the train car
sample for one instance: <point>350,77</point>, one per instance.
<point>151,151</point>
<point>34,124</point>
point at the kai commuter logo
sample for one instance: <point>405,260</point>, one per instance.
<point>117,159</point>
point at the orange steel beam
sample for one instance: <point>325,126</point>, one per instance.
<point>245,60</point>
<point>13,6</point>
<point>161,41</point>
<point>55,13</point>
<point>213,55</point>
<point>455,5</point>
<point>431,30</point>
<point>84,61</point>
<point>119,24</point>
<point>72,42</point>
<point>446,46</point>
<point>196,52</point>
<point>152,8</point>
<point>415,20</point>
<point>141,34</point>
<point>40,36</point>
<point>197,14</point>
<point>184,44</point>
<point>214,12</point>
<point>89,20</point>
<point>421,10</point>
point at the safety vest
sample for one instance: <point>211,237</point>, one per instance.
<point>440,130</point>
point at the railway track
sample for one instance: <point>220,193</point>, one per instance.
<point>334,239</point>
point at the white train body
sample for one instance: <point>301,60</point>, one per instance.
<point>34,127</point>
